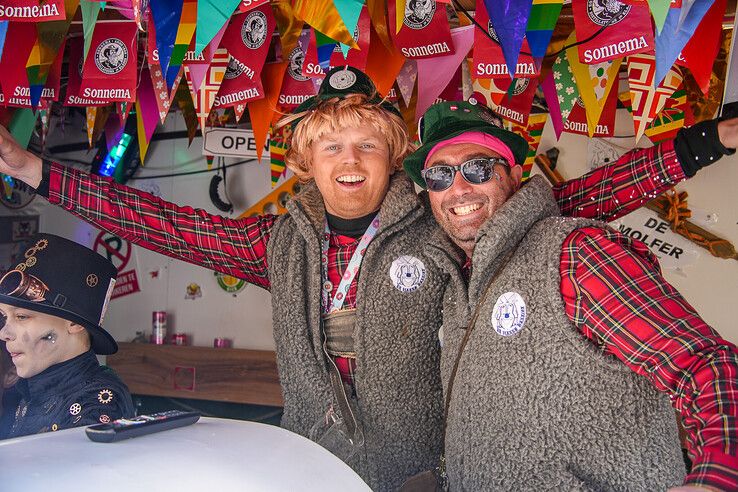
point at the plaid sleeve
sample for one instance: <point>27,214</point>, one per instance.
<point>235,247</point>
<point>614,293</point>
<point>617,189</point>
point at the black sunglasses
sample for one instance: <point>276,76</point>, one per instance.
<point>475,171</point>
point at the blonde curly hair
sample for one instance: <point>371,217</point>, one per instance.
<point>333,115</point>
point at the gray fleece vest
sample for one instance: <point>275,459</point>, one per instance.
<point>543,408</point>
<point>399,394</point>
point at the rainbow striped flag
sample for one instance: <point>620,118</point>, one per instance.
<point>277,150</point>
<point>541,24</point>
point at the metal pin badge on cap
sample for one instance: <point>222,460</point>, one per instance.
<point>342,80</point>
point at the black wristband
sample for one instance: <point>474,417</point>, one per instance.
<point>43,187</point>
<point>699,146</point>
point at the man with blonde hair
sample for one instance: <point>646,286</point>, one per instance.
<point>357,349</point>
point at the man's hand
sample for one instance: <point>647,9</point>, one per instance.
<point>728,132</point>
<point>18,162</point>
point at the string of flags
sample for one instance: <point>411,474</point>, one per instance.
<point>664,60</point>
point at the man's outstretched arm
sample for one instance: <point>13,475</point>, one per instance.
<point>233,246</point>
<point>616,189</point>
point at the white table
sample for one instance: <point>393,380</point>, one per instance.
<point>211,455</point>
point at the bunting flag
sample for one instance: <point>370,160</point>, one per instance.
<point>44,85</point>
<point>109,72</point>
<point>434,74</point>
<point>238,111</point>
<point>324,16</point>
<point>612,29</point>
<point>532,133</point>
<point>212,15</point>
<point>356,57</point>
<point>91,112</point>
<point>659,9</point>
<point>288,24</point>
<point>277,151</point>
<point>406,80</point>
<point>209,160</point>
<point>296,87</point>
<point>378,16</point>
<point>594,83</point>
<point>165,15</point>
<point>3,32</point>
<point>490,92</point>
<point>516,106</point>
<point>186,106</point>
<point>548,86</point>
<point>163,98</point>
<point>204,98</point>
<point>198,64</point>
<point>425,31</point>
<point>567,91</point>
<point>489,60</point>
<point>137,14</point>
<point>318,55</point>
<point>399,11</point>
<point>382,66</point>
<point>14,80</point>
<point>49,41</point>
<point>578,122</point>
<point>672,40</point>
<point>667,123</point>
<point>730,95</point>
<point>541,23</point>
<point>646,102</point>
<point>185,31</point>
<point>261,111</point>
<point>90,11</point>
<point>247,5</point>
<point>701,50</point>
<point>147,112</point>
<point>509,18</point>
<point>21,126</point>
<point>349,10</point>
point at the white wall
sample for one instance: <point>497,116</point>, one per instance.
<point>710,285</point>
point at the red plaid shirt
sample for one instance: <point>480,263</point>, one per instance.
<point>238,247</point>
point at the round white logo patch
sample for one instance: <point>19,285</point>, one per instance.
<point>111,56</point>
<point>419,13</point>
<point>295,68</point>
<point>407,273</point>
<point>607,12</point>
<point>509,314</point>
<point>254,30</point>
<point>342,79</point>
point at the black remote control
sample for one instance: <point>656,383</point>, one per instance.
<point>120,429</point>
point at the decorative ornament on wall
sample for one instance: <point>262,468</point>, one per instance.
<point>230,284</point>
<point>193,291</point>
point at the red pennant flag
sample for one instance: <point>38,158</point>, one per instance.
<point>577,120</point>
<point>110,68</point>
<point>247,40</point>
<point>425,31</point>
<point>616,29</point>
<point>515,107</point>
<point>296,88</point>
<point>700,52</point>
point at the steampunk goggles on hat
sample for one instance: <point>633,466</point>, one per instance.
<point>475,171</point>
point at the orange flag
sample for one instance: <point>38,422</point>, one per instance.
<point>383,66</point>
<point>261,111</point>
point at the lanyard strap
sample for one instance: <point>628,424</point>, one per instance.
<point>335,304</point>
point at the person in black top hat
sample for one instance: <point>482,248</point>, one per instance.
<point>51,308</point>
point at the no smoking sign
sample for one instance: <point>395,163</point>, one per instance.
<point>115,249</point>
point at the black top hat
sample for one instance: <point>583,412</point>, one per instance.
<point>62,278</point>
<point>345,81</point>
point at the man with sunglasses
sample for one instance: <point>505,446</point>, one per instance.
<point>356,302</point>
<point>51,307</point>
<point>564,348</point>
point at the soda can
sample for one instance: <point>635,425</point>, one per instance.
<point>159,328</point>
<point>222,342</point>
<point>179,339</point>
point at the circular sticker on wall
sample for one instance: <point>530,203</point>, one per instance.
<point>509,314</point>
<point>230,284</point>
<point>407,273</point>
